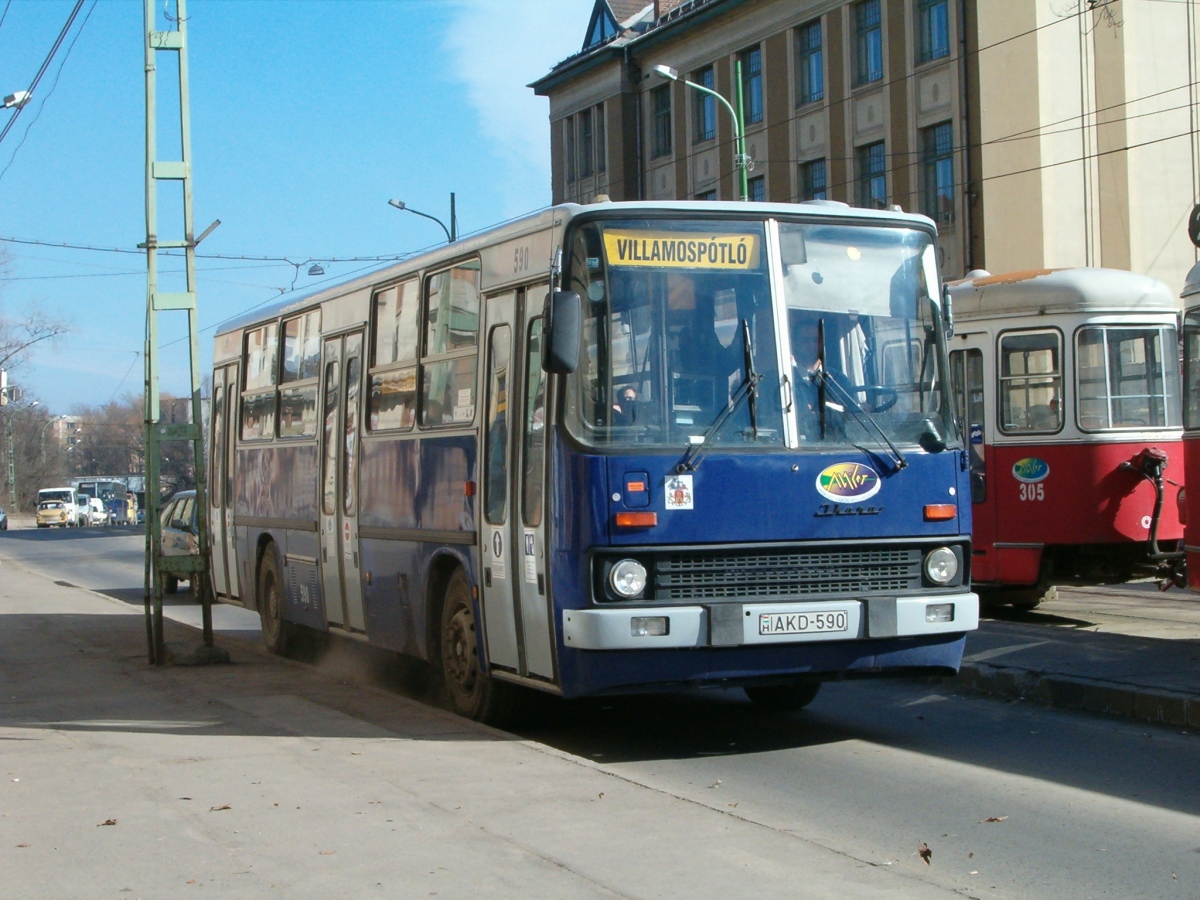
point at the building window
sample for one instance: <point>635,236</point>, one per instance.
<point>812,181</point>
<point>752,97</point>
<point>704,107</point>
<point>933,30</point>
<point>810,75</point>
<point>707,195</point>
<point>937,163</point>
<point>868,43</point>
<point>660,103</point>
<point>758,188</point>
<point>569,129</point>
<point>601,142</point>
<point>872,176</point>
<point>585,144</point>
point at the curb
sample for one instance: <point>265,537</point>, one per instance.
<point>1114,698</point>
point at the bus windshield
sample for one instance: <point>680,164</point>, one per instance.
<point>679,316</point>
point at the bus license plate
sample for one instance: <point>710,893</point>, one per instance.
<point>803,623</point>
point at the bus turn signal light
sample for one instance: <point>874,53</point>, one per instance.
<point>637,519</point>
<point>939,512</point>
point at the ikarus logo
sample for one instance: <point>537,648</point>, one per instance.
<point>1031,470</point>
<point>848,482</point>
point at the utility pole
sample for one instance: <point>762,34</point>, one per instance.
<point>157,432</point>
<point>8,395</point>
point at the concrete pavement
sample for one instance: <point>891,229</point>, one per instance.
<point>269,777</point>
<point>1126,651</point>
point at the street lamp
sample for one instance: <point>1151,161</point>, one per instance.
<point>451,232</point>
<point>17,100</point>
<point>739,128</point>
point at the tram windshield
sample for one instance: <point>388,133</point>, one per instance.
<point>679,318</point>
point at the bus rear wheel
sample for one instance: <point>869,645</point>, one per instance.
<point>472,692</point>
<point>783,697</point>
<point>270,604</point>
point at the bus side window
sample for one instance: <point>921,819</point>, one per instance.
<point>495,486</point>
<point>534,453</point>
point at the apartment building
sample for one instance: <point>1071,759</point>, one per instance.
<point>1036,133</point>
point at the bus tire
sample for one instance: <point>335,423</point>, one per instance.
<point>472,693</point>
<point>783,697</point>
<point>270,603</point>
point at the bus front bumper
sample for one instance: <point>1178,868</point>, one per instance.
<point>732,624</point>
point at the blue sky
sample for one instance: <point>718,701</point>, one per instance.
<point>307,116</point>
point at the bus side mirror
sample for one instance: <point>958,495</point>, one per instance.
<point>563,324</point>
<point>948,311</point>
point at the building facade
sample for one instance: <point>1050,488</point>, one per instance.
<point>1036,133</point>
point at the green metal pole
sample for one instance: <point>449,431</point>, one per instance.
<point>152,581</point>
<point>739,120</point>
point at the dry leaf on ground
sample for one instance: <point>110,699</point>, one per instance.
<point>924,852</point>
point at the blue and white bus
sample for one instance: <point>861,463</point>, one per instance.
<point>610,448</point>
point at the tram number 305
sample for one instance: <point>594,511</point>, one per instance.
<point>1032,492</point>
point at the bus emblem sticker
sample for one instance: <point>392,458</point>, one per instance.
<point>848,482</point>
<point>1031,470</point>
<point>679,492</point>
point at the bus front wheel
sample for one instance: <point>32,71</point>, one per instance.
<point>473,693</point>
<point>270,604</point>
<point>783,697</point>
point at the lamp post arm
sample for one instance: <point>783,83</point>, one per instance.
<point>738,131</point>
<point>431,218</point>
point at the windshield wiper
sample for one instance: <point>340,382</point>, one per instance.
<point>860,415</point>
<point>747,390</point>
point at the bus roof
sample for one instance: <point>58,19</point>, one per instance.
<point>559,215</point>
<point>1043,291</point>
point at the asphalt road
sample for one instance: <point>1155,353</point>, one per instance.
<point>1013,799</point>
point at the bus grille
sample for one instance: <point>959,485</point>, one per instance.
<point>800,573</point>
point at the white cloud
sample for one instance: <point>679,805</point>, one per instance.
<point>498,48</point>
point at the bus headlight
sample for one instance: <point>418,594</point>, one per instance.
<point>941,565</point>
<point>627,578</point>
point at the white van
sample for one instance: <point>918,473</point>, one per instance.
<point>58,506</point>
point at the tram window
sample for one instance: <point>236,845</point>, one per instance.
<point>301,347</point>
<point>350,457</point>
<point>395,312</point>
<point>1030,382</point>
<point>448,392</point>
<point>534,449</point>
<point>218,444</point>
<point>1123,381</point>
<point>1191,369</point>
<point>258,417</point>
<point>329,461</point>
<point>966,375</point>
<point>259,357</point>
<point>298,412</point>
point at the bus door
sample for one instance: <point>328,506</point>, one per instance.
<point>220,494</point>
<point>516,611</point>
<point>341,383</point>
<point>969,380</point>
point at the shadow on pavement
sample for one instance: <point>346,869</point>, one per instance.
<point>1032,617</point>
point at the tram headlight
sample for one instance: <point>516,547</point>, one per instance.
<point>941,565</point>
<point>627,578</point>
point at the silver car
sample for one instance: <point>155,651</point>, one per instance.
<point>179,533</point>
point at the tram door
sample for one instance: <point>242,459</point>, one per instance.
<point>515,601</point>
<point>968,376</point>
<point>221,499</point>
<point>341,578</point>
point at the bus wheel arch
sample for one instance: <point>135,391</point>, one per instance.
<point>455,645</point>
<point>269,594</point>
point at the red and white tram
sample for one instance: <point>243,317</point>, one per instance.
<point>1067,382</point>
<point>1190,506</point>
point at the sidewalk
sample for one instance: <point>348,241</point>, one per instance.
<point>1127,651</point>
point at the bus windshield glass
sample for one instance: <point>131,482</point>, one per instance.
<point>679,317</point>
<point>673,311</point>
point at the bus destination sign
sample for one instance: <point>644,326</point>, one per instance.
<point>681,250</point>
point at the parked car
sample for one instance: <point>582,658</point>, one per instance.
<point>58,506</point>
<point>179,533</point>
<point>97,511</point>
<point>3,519</point>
